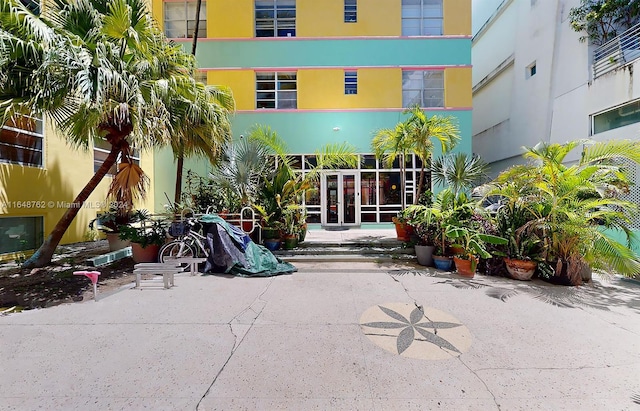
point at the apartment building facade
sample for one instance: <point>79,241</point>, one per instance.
<point>331,71</point>
<point>314,71</point>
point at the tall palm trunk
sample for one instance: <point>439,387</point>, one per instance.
<point>43,255</point>
<point>180,159</point>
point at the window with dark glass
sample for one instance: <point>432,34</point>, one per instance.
<point>20,233</point>
<point>275,18</point>
<point>21,141</point>
<point>32,5</point>
<point>180,19</point>
<point>276,90</point>
<point>350,11</point>
<point>350,82</point>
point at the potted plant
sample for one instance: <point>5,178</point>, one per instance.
<point>270,228</point>
<point>110,221</point>
<point>146,236</point>
<point>472,243</point>
<point>290,227</point>
<point>403,228</point>
<point>424,222</point>
<point>577,207</point>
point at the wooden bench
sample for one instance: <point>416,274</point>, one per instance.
<point>167,270</point>
<point>192,261</point>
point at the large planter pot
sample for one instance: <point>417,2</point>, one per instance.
<point>148,254</point>
<point>403,231</point>
<point>272,244</point>
<point>270,233</point>
<point>521,270</point>
<point>290,242</point>
<point>424,253</point>
<point>444,263</point>
<point>115,243</point>
<point>464,267</point>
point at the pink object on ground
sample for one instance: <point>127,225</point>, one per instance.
<point>93,276</point>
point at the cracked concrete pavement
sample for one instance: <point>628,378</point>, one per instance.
<point>296,342</point>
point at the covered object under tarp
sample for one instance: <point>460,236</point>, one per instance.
<point>233,252</point>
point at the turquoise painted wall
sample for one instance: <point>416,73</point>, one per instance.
<point>327,52</point>
<point>165,175</point>
<point>305,132</point>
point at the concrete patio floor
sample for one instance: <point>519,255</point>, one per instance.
<point>327,338</point>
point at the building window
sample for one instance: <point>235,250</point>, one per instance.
<point>422,17</point>
<point>350,82</point>
<point>531,70</point>
<point>180,19</point>
<point>32,5</point>
<point>423,87</point>
<point>20,234</point>
<point>101,149</point>
<point>350,11</point>
<point>275,18</point>
<point>276,90</point>
<point>21,141</point>
<point>616,118</point>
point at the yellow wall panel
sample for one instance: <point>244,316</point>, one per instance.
<point>457,17</point>
<point>324,89</point>
<point>157,11</point>
<point>457,87</point>
<point>230,18</point>
<point>326,18</point>
<point>242,84</point>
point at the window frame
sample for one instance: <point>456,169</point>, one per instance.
<point>135,158</point>
<point>422,18</point>
<point>423,90</point>
<point>350,82</point>
<point>350,11</point>
<point>279,79</point>
<point>37,134</point>
<point>38,233</point>
<point>187,34</point>
<point>274,24</point>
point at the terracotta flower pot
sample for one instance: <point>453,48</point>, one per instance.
<point>403,231</point>
<point>521,270</point>
<point>464,267</point>
<point>115,243</point>
<point>148,254</point>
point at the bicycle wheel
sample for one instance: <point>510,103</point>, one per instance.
<point>175,249</point>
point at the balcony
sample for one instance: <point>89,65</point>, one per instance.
<point>616,53</point>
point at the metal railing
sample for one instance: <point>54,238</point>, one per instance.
<point>616,53</point>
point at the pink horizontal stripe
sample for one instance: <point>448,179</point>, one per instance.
<point>447,37</point>
<point>348,110</point>
<point>334,68</point>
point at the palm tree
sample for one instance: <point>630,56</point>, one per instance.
<point>100,69</point>
<point>415,135</point>
<point>459,171</point>
<point>422,131</point>
<point>570,204</point>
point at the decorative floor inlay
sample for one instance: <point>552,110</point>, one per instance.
<point>415,332</point>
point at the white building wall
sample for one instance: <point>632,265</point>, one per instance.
<point>555,104</point>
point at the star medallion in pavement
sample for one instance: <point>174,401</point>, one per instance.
<point>415,332</point>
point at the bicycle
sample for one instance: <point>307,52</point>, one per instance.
<point>189,243</point>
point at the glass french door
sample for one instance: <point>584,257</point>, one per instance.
<point>340,199</point>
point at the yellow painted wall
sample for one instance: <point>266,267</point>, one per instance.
<point>66,172</point>
<point>326,18</point>
<point>242,84</point>
<point>157,11</point>
<point>230,18</point>
<point>457,17</point>
<point>324,89</point>
<point>457,87</point>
